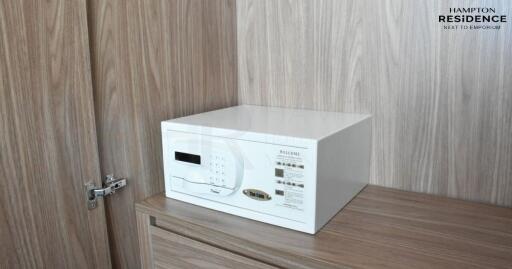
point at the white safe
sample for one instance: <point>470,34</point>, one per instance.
<point>287,167</point>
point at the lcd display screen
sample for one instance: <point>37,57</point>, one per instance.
<point>187,157</point>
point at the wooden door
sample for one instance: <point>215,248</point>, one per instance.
<point>48,146</point>
<point>152,61</point>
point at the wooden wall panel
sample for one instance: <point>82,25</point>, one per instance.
<point>152,61</point>
<point>441,100</point>
<point>48,147</point>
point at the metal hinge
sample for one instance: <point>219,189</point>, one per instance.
<point>110,186</point>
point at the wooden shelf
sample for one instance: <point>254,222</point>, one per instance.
<point>380,228</point>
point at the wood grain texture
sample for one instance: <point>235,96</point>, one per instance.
<point>171,250</point>
<point>48,147</point>
<point>152,61</point>
<point>145,245</point>
<point>441,99</point>
<point>380,228</point>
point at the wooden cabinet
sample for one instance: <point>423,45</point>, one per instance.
<point>380,228</point>
<point>170,250</point>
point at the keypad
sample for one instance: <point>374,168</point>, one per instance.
<point>217,169</point>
